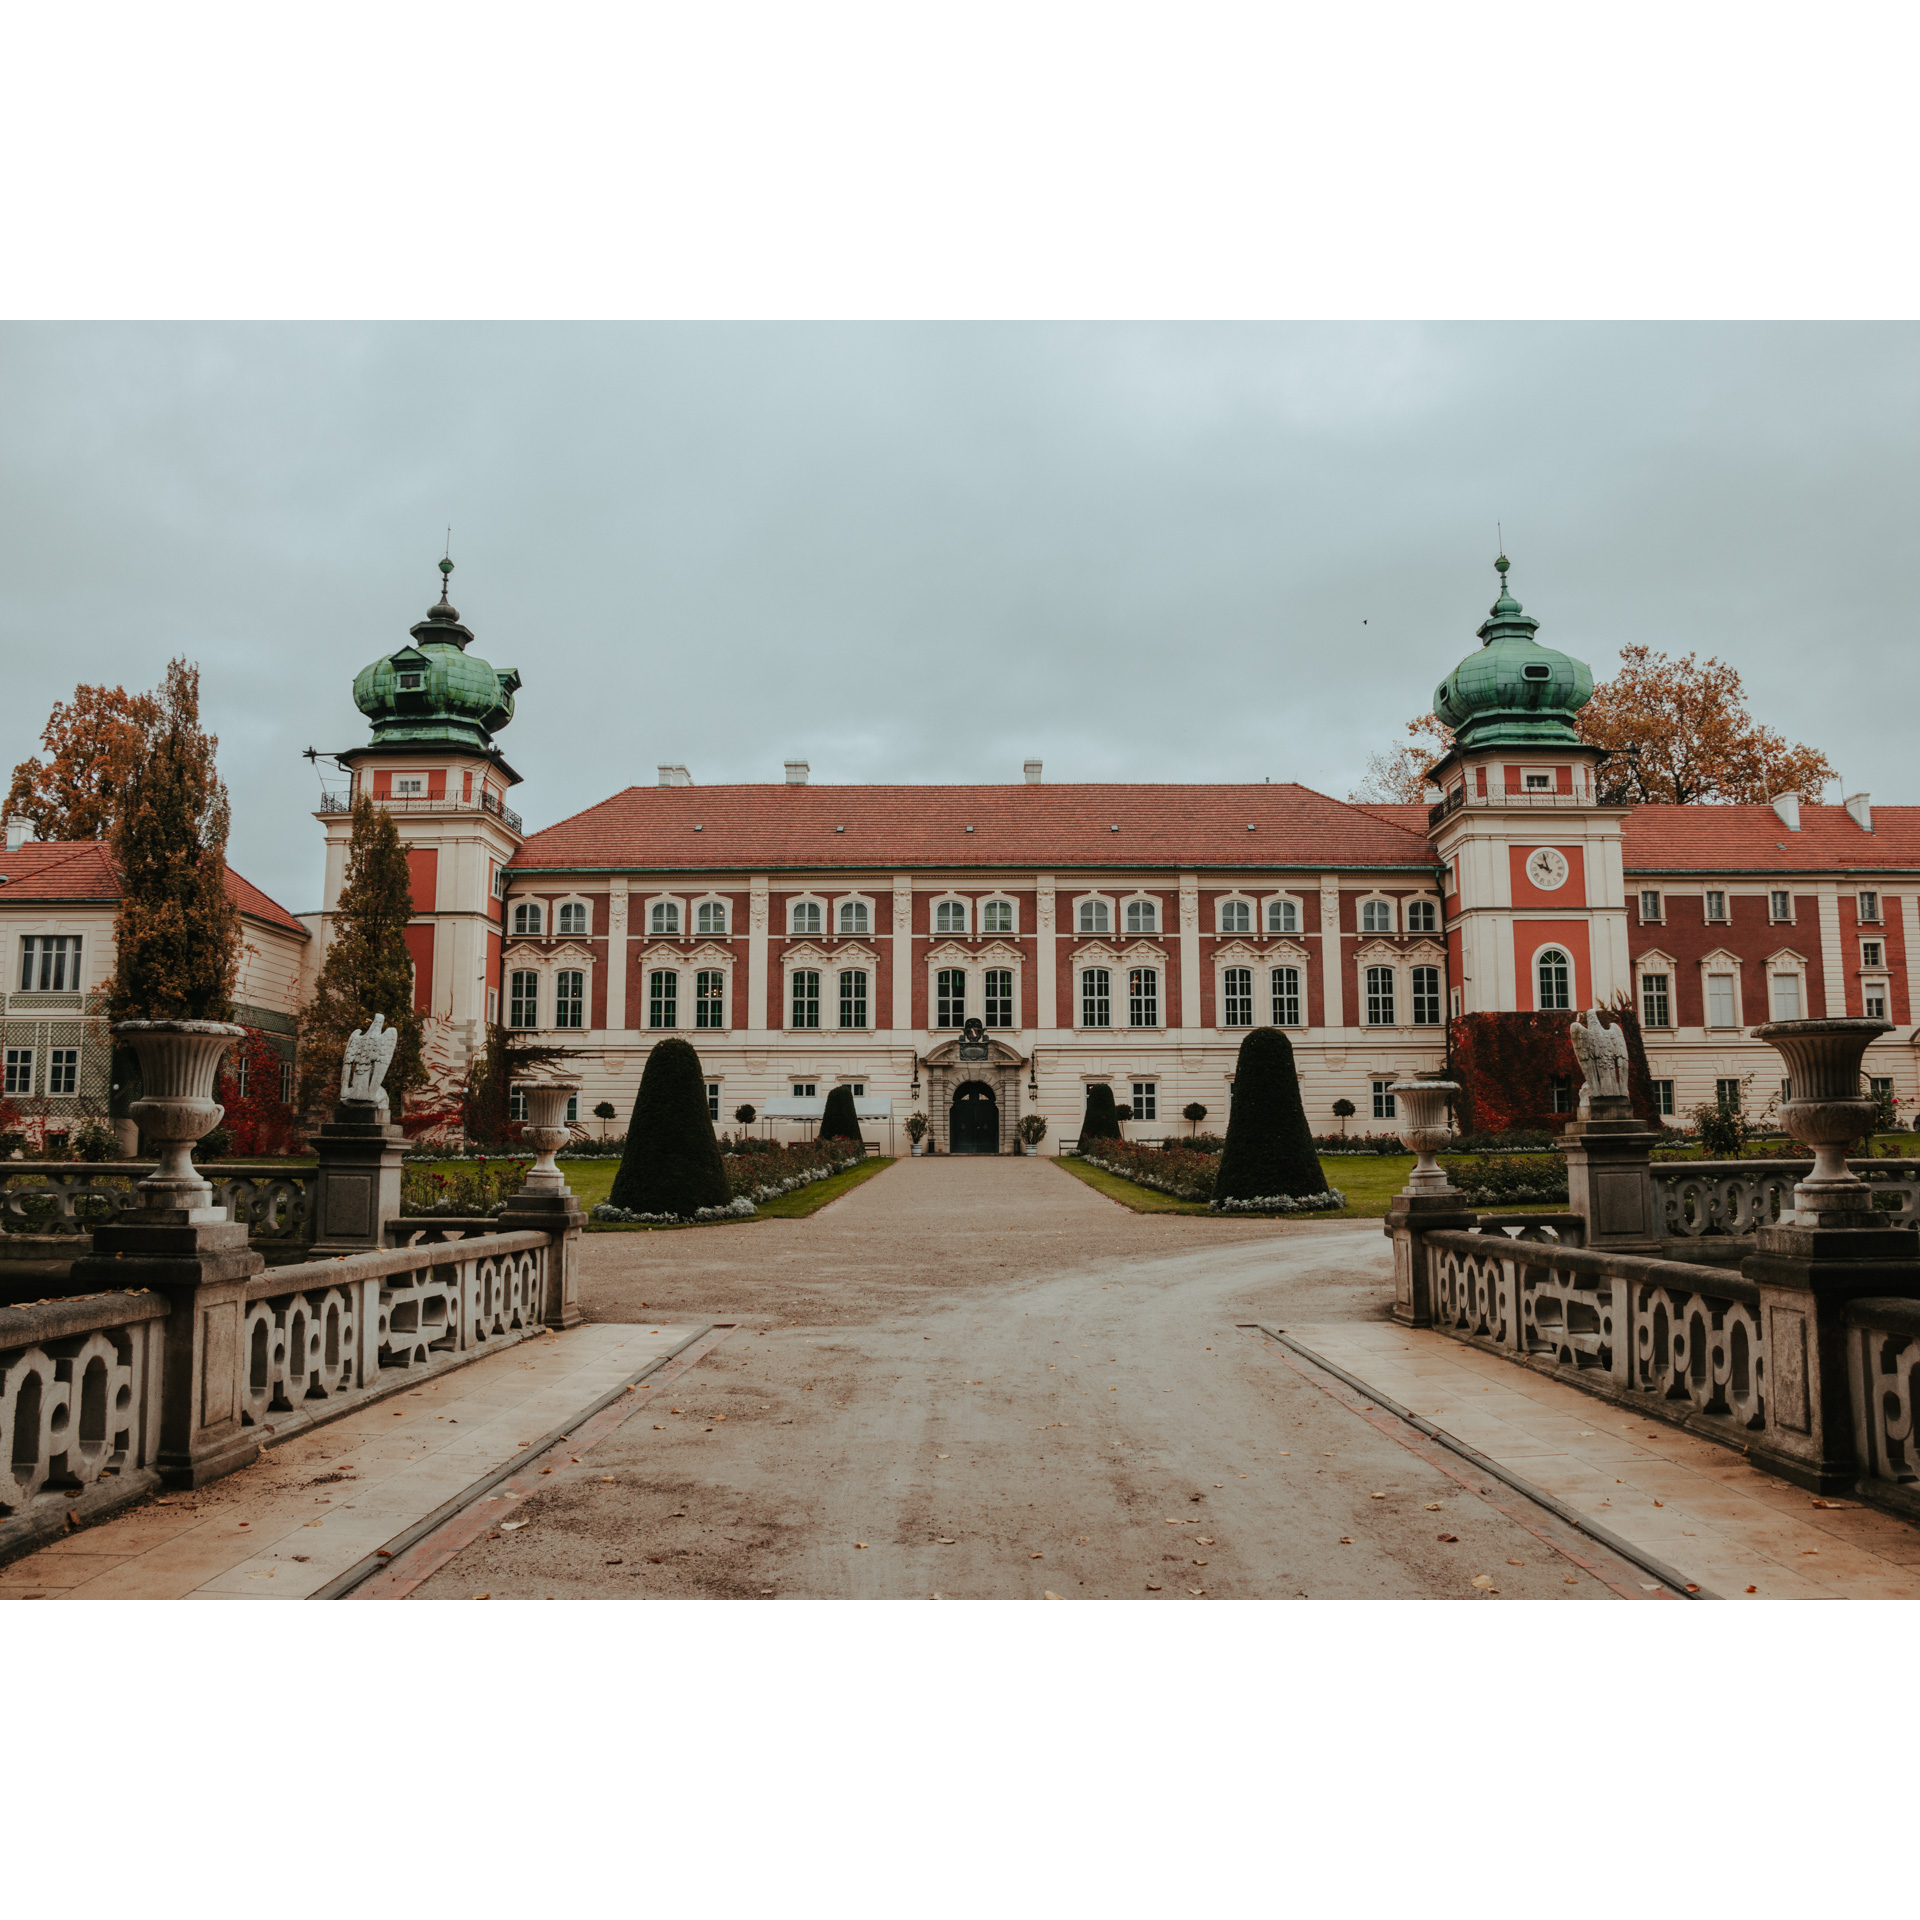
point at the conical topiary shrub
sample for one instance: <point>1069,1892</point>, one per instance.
<point>1102,1121</point>
<point>672,1161</point>
<point>840,1121</point>
<point>1269,1150</point>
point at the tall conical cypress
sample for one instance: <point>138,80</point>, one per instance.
<point>1102,1119</point>
<point>672,1161</point>
<point>840,1121</point>
<point>1269,1148</point>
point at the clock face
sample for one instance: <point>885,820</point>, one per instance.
<point>1547,868</point>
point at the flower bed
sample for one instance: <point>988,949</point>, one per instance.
<point>764,1172</point>
<point>467,1191</point>
<point>1506,1180</point>
<point>1188,1175</point>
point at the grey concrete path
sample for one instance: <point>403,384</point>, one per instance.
<point>979,1378</point>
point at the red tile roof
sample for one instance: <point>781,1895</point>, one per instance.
<point>781,827</point>
<point>1708,839</point>
<point>72,871</point>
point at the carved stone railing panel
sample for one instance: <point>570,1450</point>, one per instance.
<point>1698,1197</point>
<point>75,1196</point>
<point>1571,1318</point>
<point>1883,1367</point>
<point>1473,1292</point>
<point>1704,1348</point>
<point>299,1348</point>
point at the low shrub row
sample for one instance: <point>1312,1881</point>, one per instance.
<point>1189,1175</point>
<point>466,1192</point>
<point>1507,1180</point>
<point>764,1171</point>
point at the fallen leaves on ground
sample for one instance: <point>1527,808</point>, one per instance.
<point>1153,1586</point>
<point>1433,1506</point>
<point>1516,1563</point>
<point>1051,1595</point>
<point>1376,1496</point>
<point>946,1540</point>
<point>1753,1589</point>
<point>1033,1556</point>
<point>860,1544</point>
<point>1484,1581</point>
<point>1451,1539</point>
<point>511,1526</point>
<point>1346,1539</point>
<point>1203,1540</point>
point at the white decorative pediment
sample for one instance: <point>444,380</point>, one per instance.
<point>710,955</point>
<point>523,955</point>
<point>1289,952</point>
<point>1140,954</point>
<point>1379,951</point>
<point>846,950</point>
<point>1786,957</point>
<point>1236,953</point>
<point>1427,952</point>
<point>999,954</point>
<point>1720,958</point>
<point>1654,958</point>
<point>949,955</point>
<point>1095,954</point>
<point>806,954</point>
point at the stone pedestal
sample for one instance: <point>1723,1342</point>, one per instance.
<point>356,1188</point>
<point>1409,1218</point>
<point>558,1215</point>
<point>1608,1156</point>
<point>202,1266</point>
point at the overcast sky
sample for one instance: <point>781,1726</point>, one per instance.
<point>926,553</point>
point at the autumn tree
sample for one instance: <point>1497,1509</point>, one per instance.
<point>176,933</point>
<point>94,742</point>
<point>1398,775</point>
<point>368,968</point>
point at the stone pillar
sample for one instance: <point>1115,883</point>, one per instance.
<point>1429,1203</point>
<point>356,1188</point>
<point>1609,1177</point>
<point>560,1217</point>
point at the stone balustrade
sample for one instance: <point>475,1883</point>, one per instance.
<point>1883,1371</point>
<point>1694,1199</point>
<point>65,1197</point>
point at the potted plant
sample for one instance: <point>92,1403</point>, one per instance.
<point>1033,1129</point>
<point>916,1125</point>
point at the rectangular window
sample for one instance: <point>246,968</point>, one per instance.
<point>517,1103</point>
<point>410,785</point>
<point>63,1070</point>
<point>1716,905</point>
<point>1656,1001</point>
<point>997,990</point>
<point>1384,1105</point>
<point>1426,996</point>
<point>241,1075</point>
<point>570,998</point>
<point>663,999</point>
<point>1236,997</point>
<point>1720,1000</point>
<point>50,963</point>
<point>1780,904</point>
<point>1457,999</point>
<point>1870,907</point>
<point>1379,996</point>
<point>1726,1094</point>
<point>1870,953</point>
<point>1649,907</point>
<point>1143,997</point>
<point>1144,1107</point>
<point>806,998</point>
<point>572,1114</point>
<point>805,1090</point>
<point>713,1099</point>
<point>286,1082</point>
<point>853,1000</point>
<point>950,997</point>
<point>1786,996</point>
<point>19,1070</point>
<point>1539,783</point>
<point>1561,1087</point>
<point>710,999</point>
<point>493,1005</point>
<point>1663,1097</point>
<point>1096,998</point>
<point>1874,1000</point>
<point>523,1006</point>
<point>1879,1089</point>
<point>1286,997</point>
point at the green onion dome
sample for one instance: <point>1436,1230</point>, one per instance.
<point>1513,692</point>
<point>434,690</point>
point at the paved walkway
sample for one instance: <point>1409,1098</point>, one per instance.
<point>316,1505</point>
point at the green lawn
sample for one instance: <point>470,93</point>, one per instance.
<point>796,1205</point>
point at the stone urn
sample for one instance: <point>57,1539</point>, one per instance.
<point>546,1132</point>
<point>1424,1131</point>
<point>1826,1110</point>
<point>179,1063</point>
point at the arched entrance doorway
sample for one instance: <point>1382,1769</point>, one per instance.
<point>973,1125</point>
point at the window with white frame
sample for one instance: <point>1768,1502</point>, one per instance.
<point>50,963</point>
<point>1649,906</point>
<point>1143,996</point>
<point>950,997</point>
<point>1376,916</point>
<point>1716,906</point>
<point>996,987</point>
<point>1236,916</point>
<point>1873,999</point>
<point>1870,907</point>
<point>713,1099</point>
<point>950,916</point>
<point>516,1103</point>
<point>1286,997</point>
<point>1870,953</point>
<point>710,999</point>
<point>1095,917</point>
<point>858,1088</point>
<point>1780,905</point>
<point>1096,997</point>
<point>1726,1094</point>
<point>806,1090</point>
<point>1785,989</point>
<point>1426,996</point>
<point>1146,1100</point>
<point>996,916</point>
<point>854,917</point>
<point>1553,975</point>
<point>570,998</point>
<point>573,916</point>
<point>1385,1107</point>
<point>1656,1000</point>
<point>806,998</point>
<point>853,999</point>
<point>493,1005</point>
<point>572,1114</point>
<point>1236,997</point>
<point>410,786</point>
<point>1457,1000</point>
<point>665,918</point>
<point>663,998</point>
<point>19,1070</point>
<point>1537,783</point>
<point>1379,996</point>
<point>1283,916</point>
<point>804,918</point>
<point>711,917</point>
<point>1422,917</point>
<point>497,880</point>
<point>1721,1003</point>
<point>1143,916</point>
<point>1877,1088</point>
<point>523,999</point>
<point>1663,1098</point>
<point>529,917</point>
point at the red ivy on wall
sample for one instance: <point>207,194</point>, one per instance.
<point>259,1120</point>
<point>1506,1064</point>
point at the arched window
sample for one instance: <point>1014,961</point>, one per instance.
<point>666,917</point>
<point>573,917</point>
<point>1143,916</point>
<point>1556,979</point>
<point>569,998</point>
<point>996,916</point>
<point>528,918</point>
<point>950,997</point>
<point>1094,917</point>
<point>806,997</point>
<point>853,997</point>
<point>712,916</point>
<point>1143,996</point>
<point>950,916</point>
<point>1283,916</point>
<point>663,999</point>
<point>1376,916</point>
<point>1286,997</point>
<point>1422,917</point>
<point>1380,996</point>
<point>1236,917</point>
<point>853,919</point>
<point>710,999</point>
<point>806,917</point>
<point>1096,995</point>
<point>997,993</point>
<point>523,1000</point>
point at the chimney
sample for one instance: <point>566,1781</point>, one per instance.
<point>675,777</point>
<point>796,773</point>
<point>1033,773</point>
<point>18,827</point>
<point>1787,806</point>
<point>1860,807</point>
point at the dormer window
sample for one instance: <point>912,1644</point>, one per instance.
<point>1536,670</point>
<point>412,682</point>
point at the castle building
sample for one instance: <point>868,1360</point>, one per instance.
<point>804,936</point>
